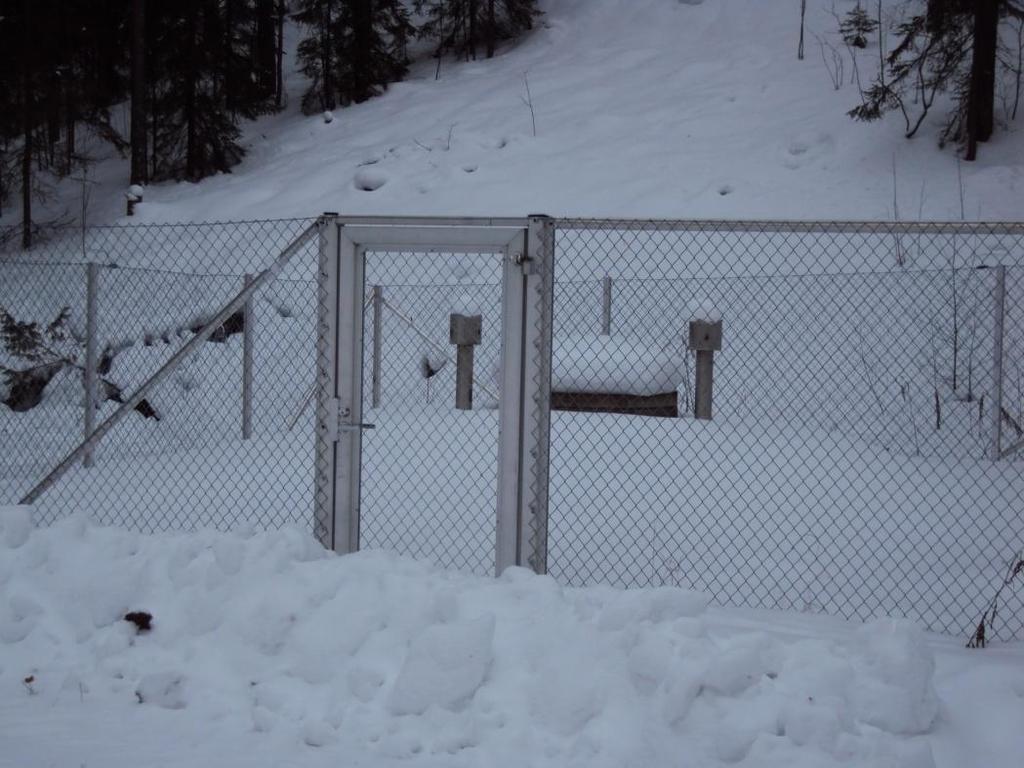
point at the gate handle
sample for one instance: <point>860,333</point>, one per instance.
<point>355,427</point>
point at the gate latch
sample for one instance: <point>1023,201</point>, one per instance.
<point>520,259</point>
<point>335,423</point>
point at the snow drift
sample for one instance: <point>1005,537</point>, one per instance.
<point>388,658</point>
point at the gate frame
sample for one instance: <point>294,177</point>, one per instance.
<point>521,509</point>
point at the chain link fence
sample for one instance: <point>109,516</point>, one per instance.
<point>850,462</point>
<point>224,439</point>
<point>860,458</point>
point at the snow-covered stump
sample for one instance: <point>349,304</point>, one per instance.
<point>465,333</point>
<point>705,340</point>
<point>627,375</point>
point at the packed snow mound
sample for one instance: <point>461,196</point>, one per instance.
<point>268,635</point>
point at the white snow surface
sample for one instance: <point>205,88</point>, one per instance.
<point>644,108</point>
<point>617,364</point>
<point>265,650</point>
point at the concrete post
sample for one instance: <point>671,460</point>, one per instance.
<point>999,296</point>
<point>705,340</point>
<point>378,304</point>
<point>247,338</point>
<point>465,333</point>
<point>606,306</point>
<point>92,276</point>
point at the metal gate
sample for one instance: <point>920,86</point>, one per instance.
<point>399,467</point>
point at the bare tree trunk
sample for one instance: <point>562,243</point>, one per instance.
<point>26,124</point>
<point>981,95</point>
<point>139,129</point>
<point>279,70</point>
<point>362,33</point>
<point>265,48</point>
<point>472,28</point>
<point>492,32</point>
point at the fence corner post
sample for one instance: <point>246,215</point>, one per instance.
<point>247,340</point>
<point>999,307</point>
<point>92,274</point>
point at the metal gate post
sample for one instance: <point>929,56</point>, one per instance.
<point>326,379</point>
<point>507,551</point>
<point>525,398</point>
<point>535,458</point>
<point>346,410</point>
<point>91,287</point>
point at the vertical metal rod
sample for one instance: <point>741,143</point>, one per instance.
<point>92,274</point>
<point>247,341</point>
<point>997,362</point>
<point>378,305</point>
<point>606,306</point>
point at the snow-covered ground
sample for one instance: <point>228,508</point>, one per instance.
<point>267,651</point>
<point>648,108</point>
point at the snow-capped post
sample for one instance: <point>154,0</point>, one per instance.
<point>133,197</point>
<point>606,306</point>
<point>465,334</point>
<point>247,337</point>
<point>705,340</point>
<point>92,276</point>
<point>999,296</point>
<point>378,302</point>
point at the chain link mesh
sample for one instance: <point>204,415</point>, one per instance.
<point>429,470</point>
<point>178,461</point>
<point>848,465</point>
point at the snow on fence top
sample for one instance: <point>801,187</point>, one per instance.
<point>616,365</point>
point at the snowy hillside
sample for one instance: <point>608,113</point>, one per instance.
<point>645,108</point>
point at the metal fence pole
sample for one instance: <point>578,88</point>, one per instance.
<point>606,306</point>
<point>378,302</point>
<point>92,273</point>
<point>247,339</point>
<point>997,362</point>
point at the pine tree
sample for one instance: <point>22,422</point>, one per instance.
<point>856,27</point>
<point>949,45</point>
<point>352,51</point>
<point>196,133</point>
<point>464,26</point>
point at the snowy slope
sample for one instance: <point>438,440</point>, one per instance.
<point>645,108</point>
<point>267,651</point>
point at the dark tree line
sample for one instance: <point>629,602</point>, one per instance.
<point>352,49</point>
<point>940,46</point>
<point>191,70</point>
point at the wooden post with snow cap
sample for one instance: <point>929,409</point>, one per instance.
<point>465,335</point>
<point>705,340</point>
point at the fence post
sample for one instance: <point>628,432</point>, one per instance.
<point>247,340</point>
<point>465,334</point>
<point>997,362</point>
<point>705,340</point>
<point>92,274</point>
<point>378,301</point>
<point>606,306</point>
